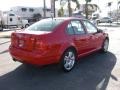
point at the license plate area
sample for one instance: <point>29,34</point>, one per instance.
<point>21,43</point>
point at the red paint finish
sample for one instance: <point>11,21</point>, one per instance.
<point>47,47</point>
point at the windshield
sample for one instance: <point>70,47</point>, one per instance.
<point>45,25</point>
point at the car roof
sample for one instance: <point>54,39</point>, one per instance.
<point>69,18</point>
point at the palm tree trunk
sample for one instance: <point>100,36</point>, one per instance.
<point>86,10</point>
<point>69,8</point>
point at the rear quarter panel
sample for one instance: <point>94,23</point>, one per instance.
<point>59,41</point>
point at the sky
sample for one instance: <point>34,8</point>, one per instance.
<point>7,4</point>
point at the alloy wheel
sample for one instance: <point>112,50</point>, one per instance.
<point>69,60</point>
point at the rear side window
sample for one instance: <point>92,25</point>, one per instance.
<point>77,26</point>
<point>45,25</point>
<point>70,29</point>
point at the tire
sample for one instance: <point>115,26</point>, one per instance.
<point>27,25</point>
<point>105,46</point>
<point>68,60</point>
<point>109,21</point>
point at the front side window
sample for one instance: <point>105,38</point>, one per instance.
<point>77,26</point>
<point>45,25</point>
<point>90,27</point>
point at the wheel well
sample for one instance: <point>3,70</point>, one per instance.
<point>73,48</point>
<point>104,40</point>
<point>107,38</point>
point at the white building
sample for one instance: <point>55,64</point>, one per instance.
<point>28,12</point>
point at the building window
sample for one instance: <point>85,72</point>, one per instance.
<point>24,9</point>
<point>31,9</point>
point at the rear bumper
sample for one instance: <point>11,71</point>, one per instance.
<point>32,57</point>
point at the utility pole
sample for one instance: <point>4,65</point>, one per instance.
<point>109,5</point>
<point>118,2</point>
<point>53,8</point>
<point>69,8</point>
<point>86,8</point>
<point>44,9</point>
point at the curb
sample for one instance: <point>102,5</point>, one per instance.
<point>7,34</point>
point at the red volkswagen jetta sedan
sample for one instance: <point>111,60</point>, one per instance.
<point>57,40</point>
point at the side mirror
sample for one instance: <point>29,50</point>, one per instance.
<point>100,31</point>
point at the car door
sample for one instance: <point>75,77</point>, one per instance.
<point>95,38</point>
<point>80,38</point>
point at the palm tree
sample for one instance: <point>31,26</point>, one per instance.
<point>86,7</point>
<point>118,2</point>
<point>61,12</point>
<point>77,4</point>
<point>69,5</point>
<point>118,7</point>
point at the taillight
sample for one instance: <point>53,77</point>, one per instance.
<point>13,39</point>
<point>40,45</point>
<point>12,35</point>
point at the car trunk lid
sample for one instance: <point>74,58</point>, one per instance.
<point>26,39</point>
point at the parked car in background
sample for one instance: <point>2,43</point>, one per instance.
<point>57,40</point>
<point>105,20</point>
<point>78,14</point>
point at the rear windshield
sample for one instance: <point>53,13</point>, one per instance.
<point>45,25</point>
